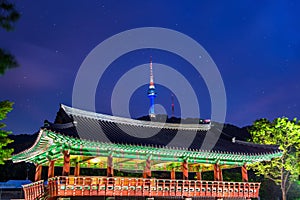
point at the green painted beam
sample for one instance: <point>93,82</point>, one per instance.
<point>42,151</point>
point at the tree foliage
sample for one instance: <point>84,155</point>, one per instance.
<point>5,107</point>
<point>8,16</point>
<point>7,61</point>
<point>285,133</point>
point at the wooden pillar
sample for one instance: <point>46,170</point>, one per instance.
<point>173,174</point>
<point>185,170</point>
<point>244,173</point>
<point>199,173</point>
<point>147,170</point>
<point>217,173</point>
<point>199,177</point>
<point>38,172</point>
<point>66,167</point>
<point>110,169</point>
<point>51,168</point>
<point>77,169</point>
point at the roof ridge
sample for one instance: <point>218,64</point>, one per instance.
<point>59,126</point>
<point>123,120</point>
<point>273,146</point>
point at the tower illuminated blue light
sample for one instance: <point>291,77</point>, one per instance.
<point>151,92</point>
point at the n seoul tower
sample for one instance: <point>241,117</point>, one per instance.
<point>151,92</point>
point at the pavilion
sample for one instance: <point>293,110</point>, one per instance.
<point>81,139</point>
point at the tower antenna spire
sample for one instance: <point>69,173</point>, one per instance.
<point>151,91</point>
<point>151,73</point>
<point>172,105</point>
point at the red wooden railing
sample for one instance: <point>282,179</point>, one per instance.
<point>34,190</point>
<point>120,186</point>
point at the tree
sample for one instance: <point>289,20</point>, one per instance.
<point>8,16</point>
<point>285,170</point>
<point>5,107</point>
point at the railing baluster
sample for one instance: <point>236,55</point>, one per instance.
<point>61,186</point>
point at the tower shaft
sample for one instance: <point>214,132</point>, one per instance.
<point>151,92</point>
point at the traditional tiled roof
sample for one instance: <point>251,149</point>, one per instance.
<point>119,130</point>
<point>97,135</point>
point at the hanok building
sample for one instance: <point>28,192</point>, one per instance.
<point>80,140</point>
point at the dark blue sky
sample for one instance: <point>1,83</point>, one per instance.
<point>255,45</point>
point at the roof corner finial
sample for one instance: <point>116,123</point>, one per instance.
<point>233,140</point>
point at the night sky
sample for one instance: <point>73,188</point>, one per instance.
<point>255,45</point>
